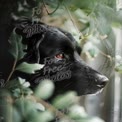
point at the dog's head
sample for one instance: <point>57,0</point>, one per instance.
<point>59,52</point>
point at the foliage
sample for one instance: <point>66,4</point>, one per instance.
<point>19,102</point>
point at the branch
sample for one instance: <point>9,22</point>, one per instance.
<point>12,71</point>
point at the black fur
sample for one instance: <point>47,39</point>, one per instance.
<point>71,73</point>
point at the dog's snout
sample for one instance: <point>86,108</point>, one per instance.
<point>102,80</point>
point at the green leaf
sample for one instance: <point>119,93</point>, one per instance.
<point>64,101</point>
<point>93,52</point>
<point>19,87</point>
<point>16,93</point>
<point>29,68</point>
<point>77,112</point>
<point>21,80</point>
<point>111,15</point>
<point>16,46</point>
<point>84,4</point>
<point>13,84</point>
<point>15,115</point>
<point>24,84</point>
<point>16,83</point>
<point>39,106</point>
<point>119,68</point>
<point>45,89</point>
<point>27,91</point>
<point>46,116</point>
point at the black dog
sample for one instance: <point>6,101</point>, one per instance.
<point>59,52</point>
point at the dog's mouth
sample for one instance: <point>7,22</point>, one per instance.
<point>94,87</point>
<point>101,84</point>
<point>97,85</point>
<point>92,92</point>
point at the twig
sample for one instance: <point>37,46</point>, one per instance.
<point>105,55</point>
<point>49,13</point>
<point>12,71</point>
<point>72,20</point>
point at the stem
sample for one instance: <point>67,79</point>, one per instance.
<point>12,71</point>
<point>72,20</point>
<point>105,55</point>
<point>49,13</point>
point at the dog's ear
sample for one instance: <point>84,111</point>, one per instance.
<point>33,33</point>
<point>21,25</point>
<point>30,29</point>
<point>69,35</point>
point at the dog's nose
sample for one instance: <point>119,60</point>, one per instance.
<point>102,80</point>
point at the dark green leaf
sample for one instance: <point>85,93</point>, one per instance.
<point>16,46</point>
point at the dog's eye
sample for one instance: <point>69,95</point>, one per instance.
<point>59,56</point>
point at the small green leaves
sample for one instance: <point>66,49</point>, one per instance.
<point>16,46</point>
<point>19,87</point>
<point>17,83</point>
<point>29,68</point>
<point>45,89</point>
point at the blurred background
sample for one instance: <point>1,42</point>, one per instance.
<point>97,27</point>
<point>98,30</point>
